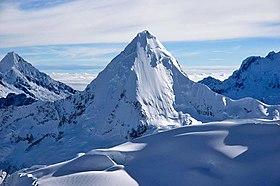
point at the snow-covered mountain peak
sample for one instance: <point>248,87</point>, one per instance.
<point>248,62</point>
<point>19,67</point>
<point>18,76</point>
<point>273,55</point>
<point>145,48</point>
<point>147,41</point>
<point>138,81</point>
<point>271,58</point>
<point>258,77</point>
<point>9,61</point>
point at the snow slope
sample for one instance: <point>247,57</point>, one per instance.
<point>258,77</point>
<point>233,152</point>
<point>18,76</point>
<point>143,90</point>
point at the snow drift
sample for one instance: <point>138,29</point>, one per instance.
<point>234,152</point>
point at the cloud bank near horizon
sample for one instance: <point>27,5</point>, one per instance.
<point>79,81</point>
<point>31,22</point>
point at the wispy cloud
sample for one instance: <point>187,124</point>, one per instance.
<point>79,57</point>
<point>70,67</point>
<point>212,69</point>
<point>186,53</point>
<point>91,21</point>
<point>86,51</point>
<point>216,59</point>
<point>228,51</point>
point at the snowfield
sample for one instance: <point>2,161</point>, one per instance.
<point>232,152</point>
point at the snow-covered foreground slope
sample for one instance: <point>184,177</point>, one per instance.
<point>233,152</point>
<point>258,77</point>
<point>143,90</point>
<point>18,76</point>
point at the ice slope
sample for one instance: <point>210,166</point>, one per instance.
<point>258,77</point>
<point>18,76</point>
<point>143,90</point>
<point>233,152</point>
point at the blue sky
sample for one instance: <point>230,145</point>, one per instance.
<point>83,36</point>
<point>94,57</point>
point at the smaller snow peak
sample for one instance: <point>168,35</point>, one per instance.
<point>12,57</point>
<point>248,61</point>
<point>9,61</point>
<point>251,60</point>
<point>273,55</point>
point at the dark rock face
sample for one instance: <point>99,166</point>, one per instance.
<point>212,83</point>
<point>15,100</point>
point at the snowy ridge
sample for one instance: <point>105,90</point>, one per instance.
<point>257,77</point>
<point>143,90</point>
<point>236,152</point>
<point>18,76</point>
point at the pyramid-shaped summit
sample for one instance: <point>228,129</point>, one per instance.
<point>14,62</point>
<point>9,61</point>
<point>145,86</point>
<point>145,40</point>
<point>136,88</point>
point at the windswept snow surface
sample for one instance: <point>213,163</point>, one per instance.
<point>258,77</point>
<point>233,152</point>
<point>143,90</point>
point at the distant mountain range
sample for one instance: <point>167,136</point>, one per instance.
<point>143,90</point>
<point>20,77</point>
<point>258,77</point>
